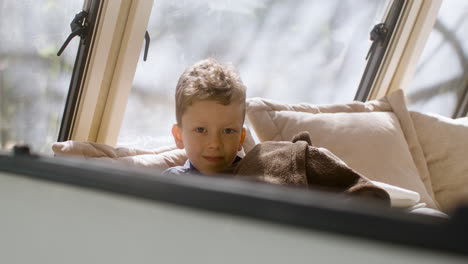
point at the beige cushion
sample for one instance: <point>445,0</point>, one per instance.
<point>445,145</point>
<point>161,158</point>
<point>376,138</point>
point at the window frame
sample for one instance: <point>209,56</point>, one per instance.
<point>111,70</point>
<point>97,101</point>
<point>93,8</point>
<point>406,45</point>
<point>462,107</point>
<point>377,56</point>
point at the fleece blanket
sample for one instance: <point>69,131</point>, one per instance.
<point>298,163</point>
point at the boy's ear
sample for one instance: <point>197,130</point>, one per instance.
<point>243,133</point>
<point>177,134</point>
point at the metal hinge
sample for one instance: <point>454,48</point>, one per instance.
<point>147,43</point>
<point>378,35</point>
<point>79,27</point>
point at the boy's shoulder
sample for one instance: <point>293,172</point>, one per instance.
<point>189,168</point>
<point>178,170</point>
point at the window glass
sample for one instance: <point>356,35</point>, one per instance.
<point>33,80</point>
<point>442,72</point>
<point>290,51</point>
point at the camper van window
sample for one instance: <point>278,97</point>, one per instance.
<point>440,82</point>
<point>33,81</point>
<point>291,51</point>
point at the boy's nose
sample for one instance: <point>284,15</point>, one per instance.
<point>214,141</point>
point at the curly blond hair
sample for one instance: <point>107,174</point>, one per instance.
<point>208,80</point>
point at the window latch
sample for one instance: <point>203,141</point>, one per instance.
<point>79,27</point>
<point>378,35</point>
<point>147,43</point>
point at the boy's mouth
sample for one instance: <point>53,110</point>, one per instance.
<point>213,159</point>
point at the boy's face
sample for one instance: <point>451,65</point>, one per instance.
<point>211,134</point>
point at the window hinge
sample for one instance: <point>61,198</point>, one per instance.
<point>147,43</point>
<point>378,35</point>
<point>79,27</point>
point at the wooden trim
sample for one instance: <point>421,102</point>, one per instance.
<point>124,73</point>
<point>111,70</point>
<point>93,86</point>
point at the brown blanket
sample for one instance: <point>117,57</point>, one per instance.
<point>297,163</point>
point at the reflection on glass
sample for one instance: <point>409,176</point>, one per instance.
<point>33,80</point>
<point>291,51</point>
<point>442,73</point>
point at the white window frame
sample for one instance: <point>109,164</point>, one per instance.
<point>111,69</point>
<point>400,61</point>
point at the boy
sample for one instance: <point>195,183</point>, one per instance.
<point>210,111</point>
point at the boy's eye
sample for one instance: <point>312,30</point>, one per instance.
<point>200,130</point>
<point>229,131</point>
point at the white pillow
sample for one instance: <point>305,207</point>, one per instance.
<point>399,197</point>
<point>445,145</point>
<point>376,138</point>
